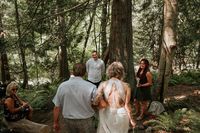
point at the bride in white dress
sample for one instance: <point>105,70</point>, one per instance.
<point>115,117</point>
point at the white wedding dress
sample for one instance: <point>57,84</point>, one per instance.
<point>111,119</point>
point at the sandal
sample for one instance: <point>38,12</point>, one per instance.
<point>135,114</point>
<point>139,118</point>
<point>141,127</point>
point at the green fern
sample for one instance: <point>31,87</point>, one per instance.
<point>194,121</point>
<point>39,102</point>
<point>190,77</point>
<point>173,122</point>
<point>164,122</point>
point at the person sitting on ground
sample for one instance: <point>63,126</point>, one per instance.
<point>18,113</point>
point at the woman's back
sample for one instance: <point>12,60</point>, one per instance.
<point>115,93</point>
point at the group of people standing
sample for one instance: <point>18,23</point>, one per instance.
<point>79,100</point>
<point>76,98</point>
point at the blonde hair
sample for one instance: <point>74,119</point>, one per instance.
<point>116,70</point>
<point>10,86</point>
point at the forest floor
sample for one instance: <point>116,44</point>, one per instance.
<point>188,95</point>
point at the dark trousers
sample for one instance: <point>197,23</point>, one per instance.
<point>80,125</point>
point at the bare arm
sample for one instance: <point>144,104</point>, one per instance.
<point>149,80</point>
<point>127,104</point>
<point>99,94</point>
<point>11,107</point>
<point>56,113</point>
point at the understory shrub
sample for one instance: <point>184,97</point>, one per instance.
<point>181,120</point>
<point>191,77</point>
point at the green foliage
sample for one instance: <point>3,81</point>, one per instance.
<point>173,81</point>
<point>182,120</point>
<point>194,121</point>
<point>187,31</point>
<point>40,102</point>
<point>191,77</point>
<point>147,19</point>
<point>36,98</point>
<point>39,98</point>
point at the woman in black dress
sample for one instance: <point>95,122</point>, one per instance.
<point>143,91</point>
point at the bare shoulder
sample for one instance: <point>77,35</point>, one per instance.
<point>126,86</point>
<point>102,85</point>
<point>8,100</point>
<point>148,73</point>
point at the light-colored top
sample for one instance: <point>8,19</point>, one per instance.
<point>75,97</point>
<point>95,69</point>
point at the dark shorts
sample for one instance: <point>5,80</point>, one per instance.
<point>80,125</point>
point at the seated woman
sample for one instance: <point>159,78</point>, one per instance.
<point>18,113</point>
<point>115,117</point>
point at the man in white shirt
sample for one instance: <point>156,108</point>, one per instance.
<point>95,68</point>
<point>74,99</point>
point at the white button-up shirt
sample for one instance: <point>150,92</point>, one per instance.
<point>75,97</point>
<point>95,69</point>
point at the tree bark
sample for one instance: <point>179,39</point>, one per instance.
<point>120,47</point>
<point>168,46</point>
<point>103,27</point>
<point>4,71</point>
<point>198,57</point>
<point>22,49</point>
<point>63,60</point>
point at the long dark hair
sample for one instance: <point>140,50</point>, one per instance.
<point>146,69</point>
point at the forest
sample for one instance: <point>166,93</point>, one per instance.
<point>40,40</point>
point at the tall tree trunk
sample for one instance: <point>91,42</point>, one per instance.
<point>22,49</point>
<point>103,27</point>
<point>63,60</point>
<point>168,46</point>
<point>198,56</point>
<point>4,71</point>
<point>121,42</point>
<point>160,40</point>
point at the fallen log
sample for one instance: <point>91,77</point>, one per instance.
<point>27,126</point>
